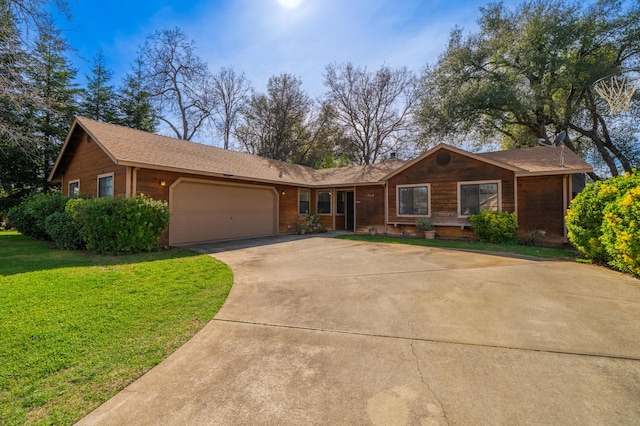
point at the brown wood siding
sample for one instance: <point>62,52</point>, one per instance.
<point>87,162</point>
<point>369,208</point>
<point>540,204</point>
<point>289,217</point>
<point>444,185</point>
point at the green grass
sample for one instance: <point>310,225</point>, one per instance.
<point>76,328</point>
<point>513,249</point>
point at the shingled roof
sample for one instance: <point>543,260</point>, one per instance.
<point>541,160</point>
<point>136,148</point>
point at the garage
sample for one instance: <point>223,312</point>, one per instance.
<point>207,211</point>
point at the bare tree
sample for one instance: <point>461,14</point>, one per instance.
<point>34,14</point>
<point>232,94</point>
<point>20,23</point>
<point>372,108</point>
<point>179,82</point>
<point>274,124</point>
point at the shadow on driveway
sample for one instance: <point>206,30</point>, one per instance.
<point>325,331</point>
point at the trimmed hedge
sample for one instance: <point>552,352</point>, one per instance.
<point>63,231</point>
<point>105,225</point>
<point>603,222</point>
<point>29,218</point>
<point>119,225</point>
<point>495,227</point>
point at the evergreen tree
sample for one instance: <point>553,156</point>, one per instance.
<point>134,101</point>
<point>17,145</point>
<point>53,78</point>
<point>99,97</point>
<point>16,93</point>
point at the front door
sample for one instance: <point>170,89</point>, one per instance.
<point>350,211</point>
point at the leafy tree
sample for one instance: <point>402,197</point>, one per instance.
<point>373,109</point>
<point>134,101</point>
<point>275,123</point>
<point>179,82</point>
<point>99,97</point>
<point>529,73</point>
<point>326,145</point>
<point>232,91</point>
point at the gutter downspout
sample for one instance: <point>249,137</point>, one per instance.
<point>386,207</point>
<point>566,182</point>
<point>515,197</point>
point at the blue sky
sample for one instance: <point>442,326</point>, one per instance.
<point>263,38</point>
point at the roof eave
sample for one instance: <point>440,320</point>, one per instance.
<point>565,171</point>
<point>245,178</point>
<point>54,169</point>
<point>63,150</point>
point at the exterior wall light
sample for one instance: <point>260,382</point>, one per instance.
<point>163,182</point>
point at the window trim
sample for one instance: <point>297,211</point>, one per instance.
<point>328,191</point>
<point>478,182</point>
<point>416,185</point>
<point>113,181</point>
<point>69,188</point>
<point>308,191</point>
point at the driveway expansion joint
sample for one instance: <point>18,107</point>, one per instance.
<point>424,339</point>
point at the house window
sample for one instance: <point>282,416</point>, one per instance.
<point>474,197</point>
<point>413,200</point>
<point>304,197</point>
<point>324,202</point>
<point>105,185</point>
<point>74,189</point>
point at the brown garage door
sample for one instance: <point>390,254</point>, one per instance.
<point>202,211</point>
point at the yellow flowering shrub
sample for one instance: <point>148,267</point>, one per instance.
<point>602,222</point>
<point>620,233</point>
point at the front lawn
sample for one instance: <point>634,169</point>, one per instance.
<point>548,253</point>
<point>76,328</point>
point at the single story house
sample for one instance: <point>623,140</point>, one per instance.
<point>216,194</point>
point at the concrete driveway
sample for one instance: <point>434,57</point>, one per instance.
<point>325,331</point>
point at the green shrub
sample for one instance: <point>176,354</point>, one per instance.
<point>120,225</point>
<point>425,224</point>
<point>494,227</point>
<point>63,230</point>
<point>585,217</point>
<point>20,220</point>
<point>310,225</point>
<point>621,232</point>
<point>29,218</point>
